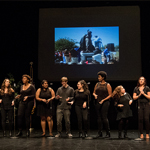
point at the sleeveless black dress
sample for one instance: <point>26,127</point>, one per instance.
<point>44,109</point>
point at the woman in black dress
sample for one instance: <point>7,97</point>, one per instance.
<point>7,102</point>
<point>102,93</point>
<point>27,95</point>
<point>44,96</point>
<point>142,94</point>
<point>122,102</point>
<point>81,98</point>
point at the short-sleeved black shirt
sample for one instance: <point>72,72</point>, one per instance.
<point>142,98</point>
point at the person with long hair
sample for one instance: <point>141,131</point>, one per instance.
<point>81,98</point>
<point>102,93</point>
<point>142,94</point>
<point>44,96</point>
<point>7,102</point>
<point>27,95</point>
<point>123,101</point>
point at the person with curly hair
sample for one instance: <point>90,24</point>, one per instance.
<point>122,102</point>
<point>27,95</point>
<point>102,93</point>
<point>142,94</point>
<point>81,98</point>
<point>7,102</point>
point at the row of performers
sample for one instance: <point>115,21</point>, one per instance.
<point>66,96</point>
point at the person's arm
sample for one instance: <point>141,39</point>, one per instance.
<point>37,96</point>
<point>32,96</point>
<point>130,99</point>
<point>33,91</point>
<point>52,93</point>
<point>12,96</point>
<point>109,88</point>
<point>88,99</point>
<point>0,97</point>
<point>94,94</point>
<point>135,96</point>
<point>70,100</point>
<point>57,97</point>
<point>147,94</point>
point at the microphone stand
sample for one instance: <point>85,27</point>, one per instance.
<point>51,109</point>
<point>14,137</point>
<point>88,137</point>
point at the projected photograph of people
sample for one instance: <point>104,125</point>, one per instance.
<point>87,45</point>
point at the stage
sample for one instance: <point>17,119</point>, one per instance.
<point>35,142</point>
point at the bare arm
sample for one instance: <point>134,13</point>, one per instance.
<point>146,95</point>
<point>52,93</point>
<point>94,94</point>
<point>135,96</point>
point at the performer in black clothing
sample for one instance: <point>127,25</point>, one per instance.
<point>64,95</point>
<point>122,101</point>
<point>44,96</point>
<point>102,93</point>
<point>142,94</point>
<point>27,95</point>
<point>81,97</point>
<point>7,102</point>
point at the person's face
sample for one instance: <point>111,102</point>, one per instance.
<point>64,83</point>
<point>7,83</point>
<point>142,81</point>
<point>25,80</point>
<point>45,85</point>
<point>79,85</point>
<point>100,78</point>
<point>122,90</point>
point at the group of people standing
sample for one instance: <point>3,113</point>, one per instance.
<point>67,96</point>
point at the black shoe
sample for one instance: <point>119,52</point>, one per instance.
<point>125,134</point>
<point>85,134</point>
<point>107,134</point>
<point>100,134</point>
<point>80,135</point>
<point>10,133</point>
<point>119,135</point>
<point>4,133</point>
<point>19,134</point>
<point>28,133</point>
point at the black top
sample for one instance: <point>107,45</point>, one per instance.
<point>7,100</point>
<point>101,91</point>
<point>30,92</point>
<point>81,97</point>
<point>142,98</point>
<point>45,94</point>
<point>65,93</point>
<point>125,111</point>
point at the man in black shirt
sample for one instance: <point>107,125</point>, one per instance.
<point>64,94</point>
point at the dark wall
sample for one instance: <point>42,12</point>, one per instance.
<point>19,43</point>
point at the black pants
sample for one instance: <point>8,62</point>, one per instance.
<point>143,116</point>
<point>4,113</point>
<point>102,112</point>
<point>123,124</point>
<point>82,113</point>
<point>60,114</point>
<point>24,110</point>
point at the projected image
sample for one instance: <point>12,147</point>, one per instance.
<point>87,45</point>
